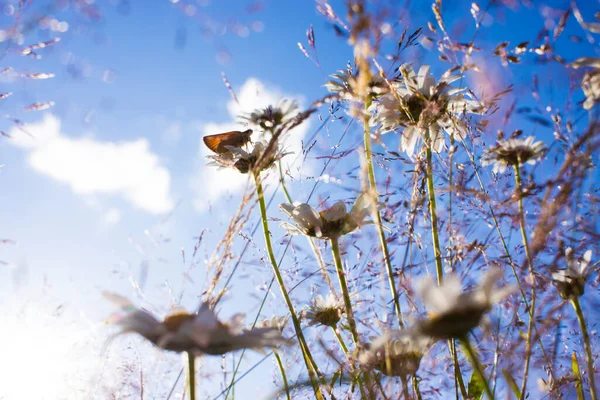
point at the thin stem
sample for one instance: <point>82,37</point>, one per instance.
<point>404,382</point>
<point>588,347</point>
<point>192,375</point>
<point>437,250</point>
<point>528,344</point>
<point>415,385</point>
<point>283,376</point>
<point>281,179</point>
<point>459,383</point>
<point>321,263</point>
<point>476,365</point>
<point>335,249</point>
<point>339,267</point>
<point>308,359</point>
<point>451,258</point>
<point>340,340</point>
<point>433,213</point>
<point>378,222</point>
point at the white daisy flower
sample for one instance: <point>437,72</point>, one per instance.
<point>590,84</point>
<point>570,282</point>
<point>200,333</point>
<point>513,151</point>
<point>452,312</point>
<point>396,353</point>
<point>423,108</point>
<point>332,222</point>
<point>325,311</point>
<point>245,161</point>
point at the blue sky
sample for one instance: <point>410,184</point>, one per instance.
<point>146,101</point>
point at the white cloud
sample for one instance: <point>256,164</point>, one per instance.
<point>112,216</point>
<point>211,184</point>
<point>90,166</point>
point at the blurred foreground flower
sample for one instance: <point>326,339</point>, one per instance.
<point>570,282</point>
<point>345,85</point>
<point>325,311</point>
<point>513,151</point>
<point>197,334</point>
<point>330,223</point>
<point>452,312</point>
<point>255,161</point>
<point>396,353</point>
<point>590,84</point>
<point>424,108</point>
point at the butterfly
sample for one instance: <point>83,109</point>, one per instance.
<point>219,142</point>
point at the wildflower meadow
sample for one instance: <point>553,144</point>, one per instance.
<point>351,199</point>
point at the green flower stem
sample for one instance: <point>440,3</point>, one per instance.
<point>437,248</point>
<point>587,345</point>
<point>311,366</point>
<point>282,181</point>
<point>339,267</point>
<point>433,213</point>
<point>458,379</point>
<point>415,385</point>
<point>476,365</point>
<point>340,340</point>
<point>378,222</point>
<point>192,375</point>
<point>283,376</point>
<point>528,344</point>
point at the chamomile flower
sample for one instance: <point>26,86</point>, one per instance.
<point>424,108</point>
<point>333,222</point>
<point>570,282</point>
<point>396,353</point>
<point>325,311</point>
<point>452,312</point>
<point>200,333</point>
<point>590,84</point>
<point>244,161</point>
<point>513,151</point>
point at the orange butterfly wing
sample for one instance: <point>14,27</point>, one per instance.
<point>218,142</point>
